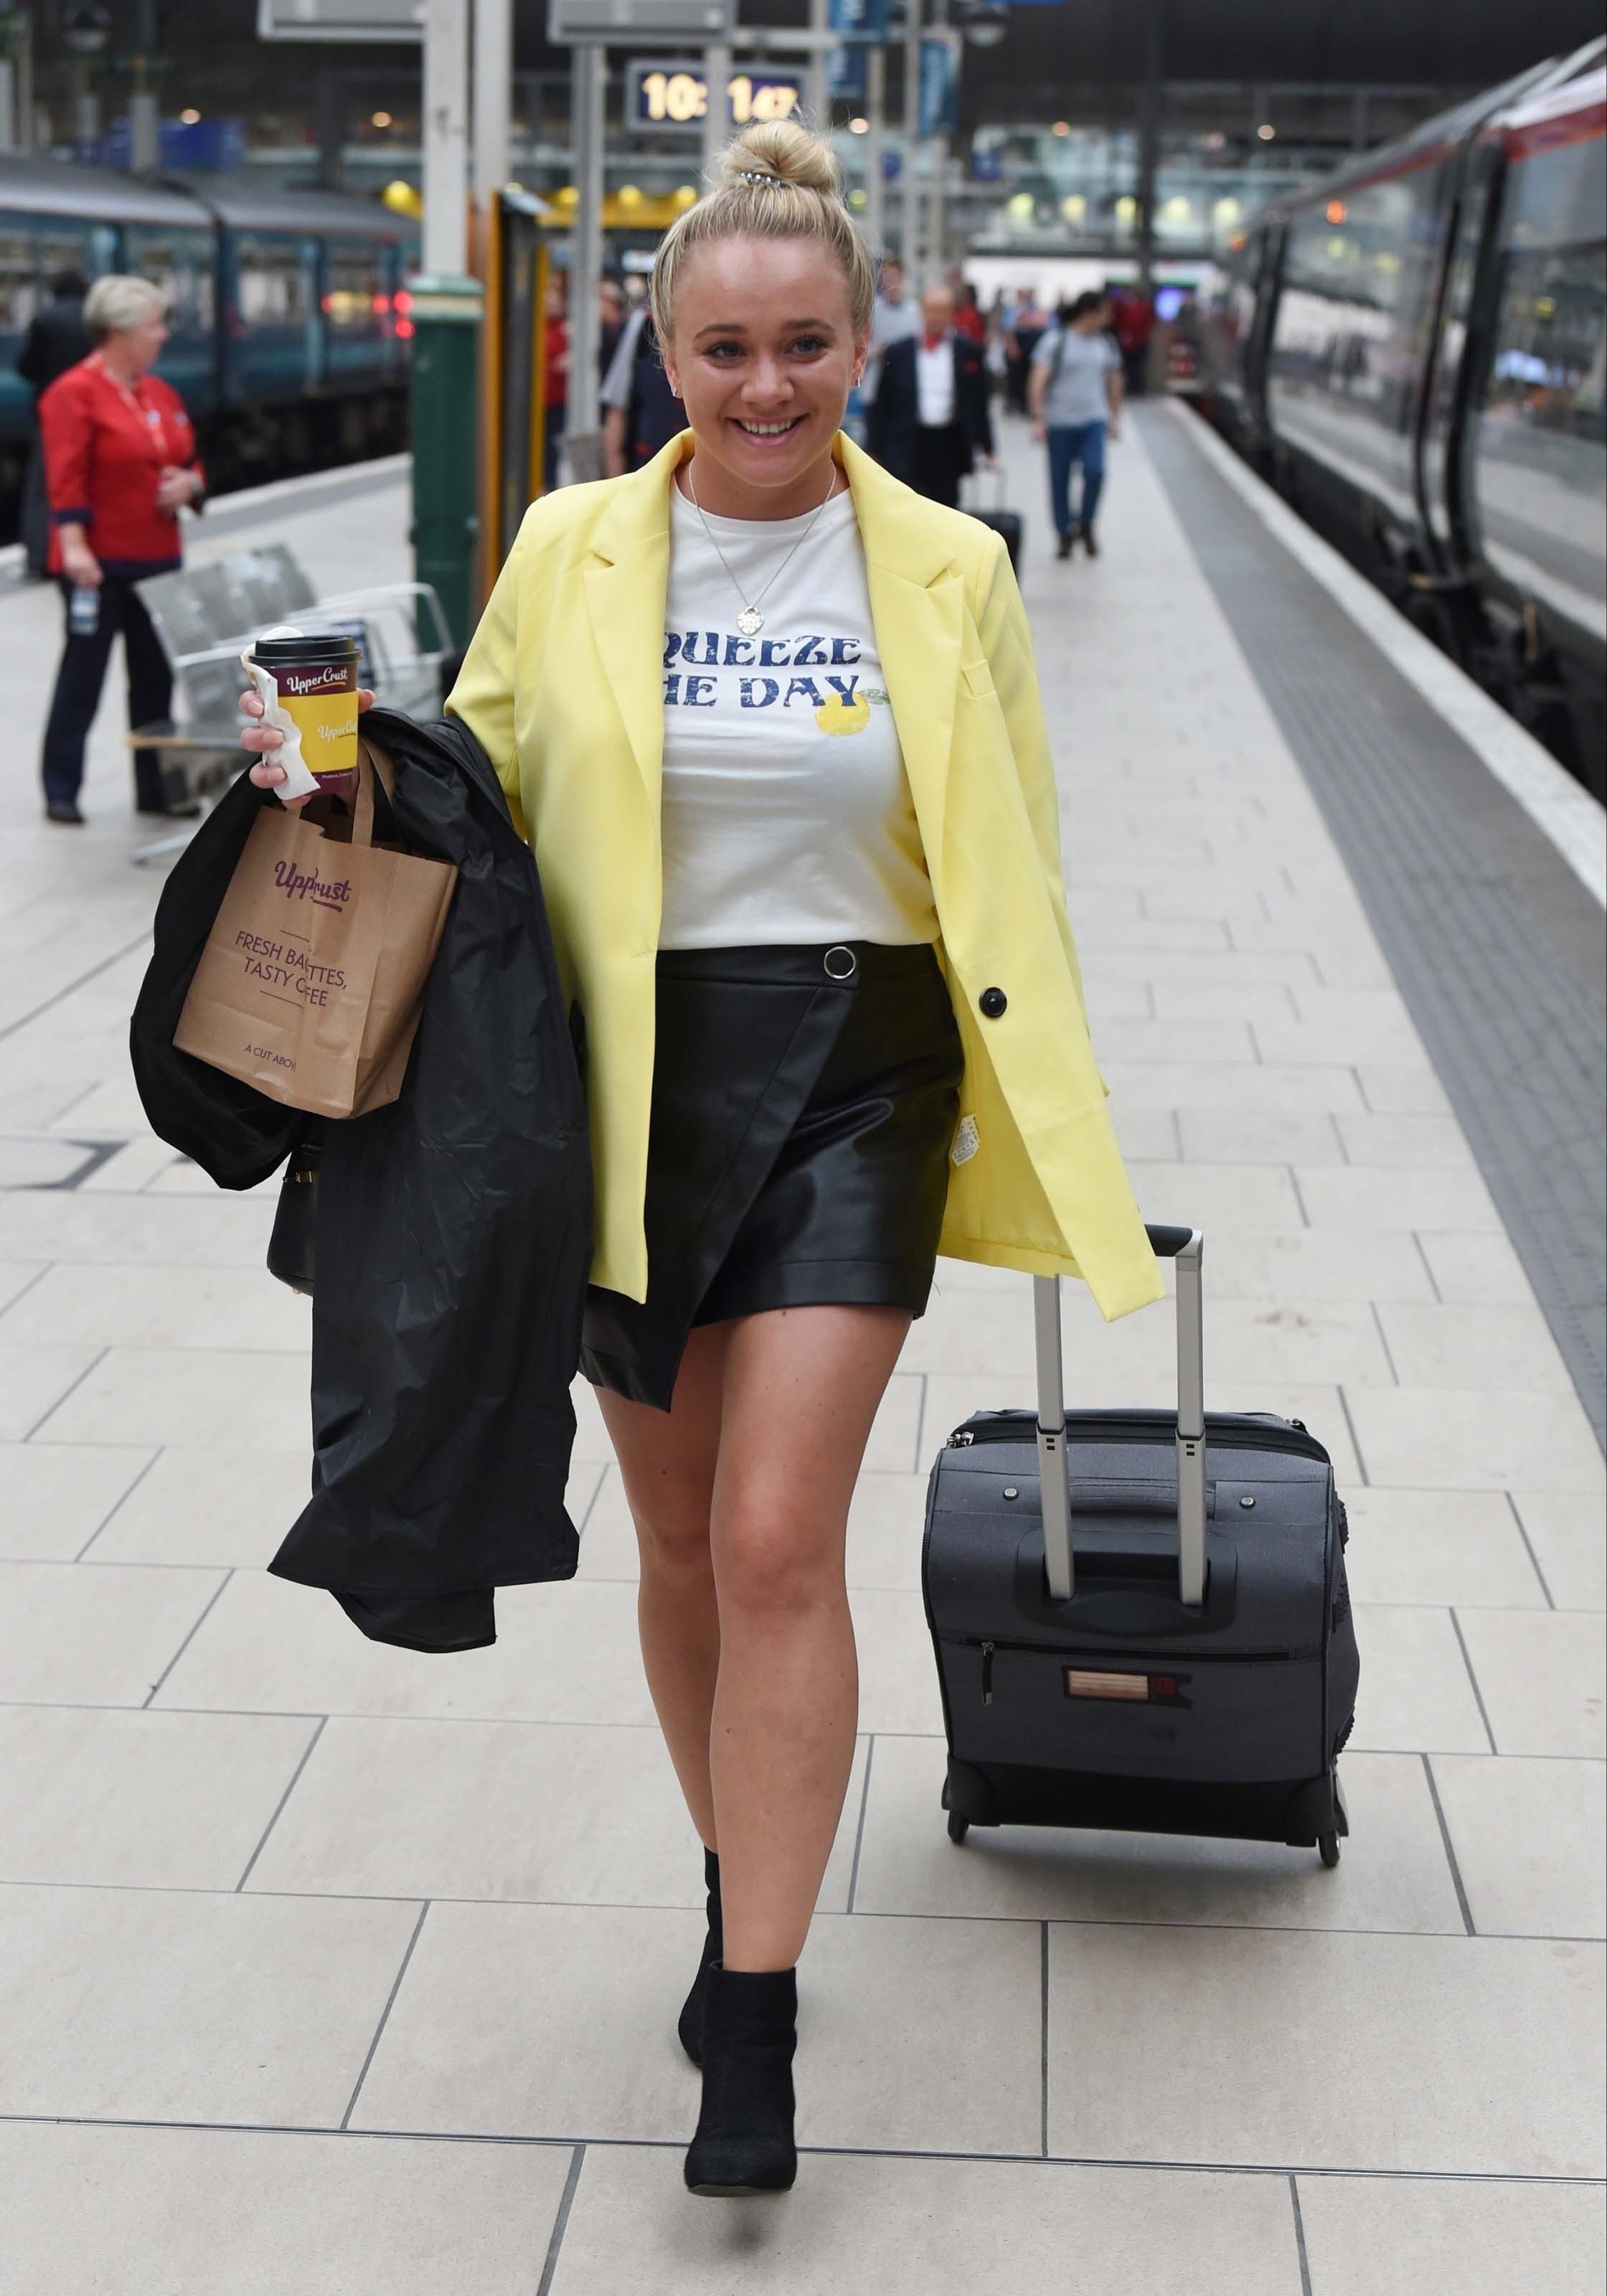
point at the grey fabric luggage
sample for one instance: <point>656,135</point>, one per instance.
<point>1140,1619</point>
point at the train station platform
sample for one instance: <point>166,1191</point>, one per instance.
<point>326,1967</point>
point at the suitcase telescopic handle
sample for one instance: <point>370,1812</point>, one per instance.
<point>1185,1245</point>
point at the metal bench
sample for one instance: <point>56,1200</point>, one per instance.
<point>206,616</point>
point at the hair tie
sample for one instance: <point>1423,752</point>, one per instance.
<point>753,176</point>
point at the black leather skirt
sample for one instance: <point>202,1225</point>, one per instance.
<point>803,1103</point>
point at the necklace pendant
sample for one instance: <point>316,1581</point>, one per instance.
<point>751,621</point>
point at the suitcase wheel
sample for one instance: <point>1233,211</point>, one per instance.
<point>1327,1845</point>
<point>959,1827</point>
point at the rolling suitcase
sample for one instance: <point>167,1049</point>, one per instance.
<point>1006,522</point>
<point>1141,1620</point>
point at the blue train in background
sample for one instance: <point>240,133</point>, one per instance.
<point>288,310</point>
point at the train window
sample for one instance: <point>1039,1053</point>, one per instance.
<point>180,263</point>
<point>354,283</point>
<point>272,287</point>
<point>1550,341</point>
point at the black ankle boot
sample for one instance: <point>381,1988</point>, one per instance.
<point>744,2136</point>
<point>691,2026</point>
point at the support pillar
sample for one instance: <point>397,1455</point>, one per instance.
<point>875,112</point>
<point>910,235</point>
<point>589,67</point>
<point>1149,145</point>
<point>445,342</point>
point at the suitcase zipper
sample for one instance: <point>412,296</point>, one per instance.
<point>988,1674</point>
<point>1231,1434</point>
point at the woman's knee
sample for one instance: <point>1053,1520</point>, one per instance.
<point>774,1555</point>
<point>672,1524</point>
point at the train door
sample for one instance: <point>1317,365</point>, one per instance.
<point>1448,508</point>
<point>275,354</point>
<point>183,264</point>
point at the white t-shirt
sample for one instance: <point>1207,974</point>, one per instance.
<point>1077,368</point>
<point>787,816</point>
<point>935,383</point>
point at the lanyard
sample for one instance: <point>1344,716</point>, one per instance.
<point>149,416</point>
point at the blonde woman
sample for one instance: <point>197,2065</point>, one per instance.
<point>770,724</point>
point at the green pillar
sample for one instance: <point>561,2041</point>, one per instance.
<point>445,314</point>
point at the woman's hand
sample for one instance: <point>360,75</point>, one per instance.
<point>268,773</point>
<point>80,565</point>
<point>1039,432</point>
<point>175,488</point>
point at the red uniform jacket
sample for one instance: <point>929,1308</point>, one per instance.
<point>104,449</point>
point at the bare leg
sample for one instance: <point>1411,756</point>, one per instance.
<point>668,1466</point>
<point>801,1388</point>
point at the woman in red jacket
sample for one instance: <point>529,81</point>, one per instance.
<point>120,462</point>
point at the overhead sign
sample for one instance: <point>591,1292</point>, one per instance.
<point>340,20</point>
<point>858,24</point>
<point>618,20</point>
<point>940,83</point>
<point>665,96</point>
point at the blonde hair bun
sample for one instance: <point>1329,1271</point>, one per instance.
<point>788,152</point>
<point>777,180</point>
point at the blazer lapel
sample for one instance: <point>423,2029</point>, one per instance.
<point>625,594</point>
<point>918,607</point>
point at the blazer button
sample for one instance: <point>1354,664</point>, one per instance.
<point>993,1002</point>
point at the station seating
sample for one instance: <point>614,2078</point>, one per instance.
<point>208,615</point>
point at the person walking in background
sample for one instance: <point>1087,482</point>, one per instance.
<point>56,340</point>
<point>1132,321</point>
<point>893,321</point>
<point>969,320</point>
<point>611,310</point>
<point>641,413</point>
<point>930,419</point>
<point>120,462</point>
<point>1024,323</point>
<point>1075,395</point>
<point>555,379</point>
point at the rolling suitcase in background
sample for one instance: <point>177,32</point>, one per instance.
<point>1006,522</point>
<point>1141,1621</point>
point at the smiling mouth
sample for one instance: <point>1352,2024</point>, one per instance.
<point>769,429</point>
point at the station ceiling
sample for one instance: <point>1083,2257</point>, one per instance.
<point>1077,58</point>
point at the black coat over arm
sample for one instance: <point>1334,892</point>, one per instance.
<point>455,1227</point>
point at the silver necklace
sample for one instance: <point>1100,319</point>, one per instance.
<point>751,621</point>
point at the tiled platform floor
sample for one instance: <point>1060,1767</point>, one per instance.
<point>325,1968</point>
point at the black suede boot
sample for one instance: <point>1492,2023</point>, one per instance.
<point>691,2026</point>
<point>744,2135</point>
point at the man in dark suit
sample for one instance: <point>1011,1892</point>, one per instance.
<point>930,419</point>
<point>56,340</point>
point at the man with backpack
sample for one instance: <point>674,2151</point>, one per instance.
<point>1074,396</point>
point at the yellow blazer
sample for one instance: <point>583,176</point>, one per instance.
<point>562,687</point>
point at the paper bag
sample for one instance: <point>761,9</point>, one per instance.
<point>310,983</point>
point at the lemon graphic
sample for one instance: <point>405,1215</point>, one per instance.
<point>840,716</point>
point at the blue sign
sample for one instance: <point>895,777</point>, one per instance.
<point>940,85</point>
<point>858,24</point>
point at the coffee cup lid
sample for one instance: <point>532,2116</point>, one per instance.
<point>316,648</point>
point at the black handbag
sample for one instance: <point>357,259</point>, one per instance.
<point>292,1247</point>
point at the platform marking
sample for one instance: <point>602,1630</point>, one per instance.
<point>1560,807</point>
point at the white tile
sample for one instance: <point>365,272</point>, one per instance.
<point>1333,1037</point>
<point>1486,2063</point>
<point>1149,1134</point>
<point>1541,1675</point>
<point>55,1500</point>
<point>1467,1439</point>
<point>887,1521</point>
<point>1478,1269</point>
<point>217,1309</point>
<point>542,1812</point>
<point>898,1672</point>
<point>1280,1091</point>
<point>1439,1548</point>
<point>1415,1694</point>
<point>1531,1839</point>
<point>1435,1141</point>
<point>1388,2236</point>
<point>1402,1088</point>
<point>1472,1346</point>
<point>192,2212</point>
<point>892,1447</point>
<point>1222,1042</point>
<point>40,1162</point>
<point>71,1634</point>
<point>221,1233</point>
<point>1352,1197</point>
<point>1234,1136</point>
<point>565,1653</point>
<point>192,1396</point>
<point>15,1277</point>
<point>164,2004</point>
<point>1302,1266</point>
<point>33,1380</point>
<point>1567,1530</point>
<point>1222,1000</point>
<point>143,1800</point>
<point>135,1164</point>
<point>1210,1196</point>
<point>1392,1872</point>
<point>915,2227</point>
<point>211,1506</point>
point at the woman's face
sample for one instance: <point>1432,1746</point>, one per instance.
<point>763,356</point>
<point>139,347</point>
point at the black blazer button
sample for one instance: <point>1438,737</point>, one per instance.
<point>993,1002</point>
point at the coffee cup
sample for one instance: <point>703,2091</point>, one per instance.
<point>316,679</point>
